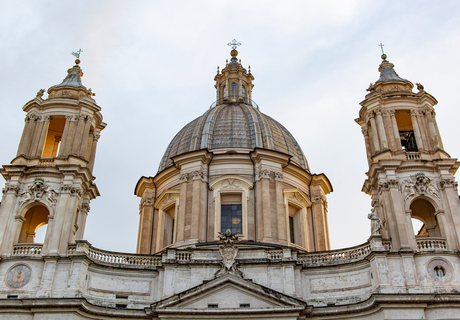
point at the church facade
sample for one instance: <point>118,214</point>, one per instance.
<point>234,224</point>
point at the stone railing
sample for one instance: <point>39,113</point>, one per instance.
<point>431,244</point>
<point>27,249</point>
<point>117,259</point>
<point>335,256</point>
<point>46,162</point>
<point>275,254</point>
<point>413,156</point>
<point>183,256</point>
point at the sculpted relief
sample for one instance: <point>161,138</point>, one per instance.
<point>419,184</point>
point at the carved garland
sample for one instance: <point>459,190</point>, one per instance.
<point>419,184</point>
<point>37,191</point>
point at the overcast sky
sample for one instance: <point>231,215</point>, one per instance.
<point>152,65</point>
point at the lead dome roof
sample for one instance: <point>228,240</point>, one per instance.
<point>234,125</point>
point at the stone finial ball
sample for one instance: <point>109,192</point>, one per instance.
<point>234,53</point>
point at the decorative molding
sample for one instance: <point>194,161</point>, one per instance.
<point>75,191</point>
<point>386,185</point>
<point>10,188</point>
<point>85,208</point>
<point>37,191</point>
<point>278,176</point>
<point>448,183</point>
<point>419,184</point>
<point>228,251</point>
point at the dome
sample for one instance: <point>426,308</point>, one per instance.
<point>234,125</point>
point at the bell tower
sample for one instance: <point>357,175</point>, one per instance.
<point>411,176</point>
<point>50,181</point>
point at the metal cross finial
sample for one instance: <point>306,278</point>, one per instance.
<point>234,44</point>
<point>381,46</point>
<point>77,54</point>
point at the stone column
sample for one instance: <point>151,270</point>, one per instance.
<point>318,220</point>
<point>265,208</point>
<point>81,221</point>
<point>240,89</point>
<point>92,157</point>
<point>395,204</point>
<point>196,204</point>
<point>418,137</point>
<point>78,136</point>
<point>449,188</point>
<point>145,225</point>
<point>395,130</point>
<point>438,135</point>
<point>69,219</point>
<point>23,146</point>
<point>432,129</point>
<point>182,205</point>
<point>381,129</point>
<point>281,218</point>
<point>67,137</point>
<point>35,136</point>
<point>365,132</point>
<point>42,135</point>
<point>59,218</point>
<point>84,138</point>
<point>8,223</point>
<point>389,130</point>
<point>375,135</point>
<point>410,231</point>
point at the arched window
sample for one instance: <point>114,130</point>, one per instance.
<point>243,90</point>
<point>35,218</point>
<point>424,211</point>
<point>53,137</point>
<point>233,92</point>
<point>406,131</point>
<point>224,92</point>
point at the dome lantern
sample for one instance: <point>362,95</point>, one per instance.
<point>234,83</point>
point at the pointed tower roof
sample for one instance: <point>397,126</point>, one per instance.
<point>73,78</point>
<point>71,87</point>
<point>387,72</point>
<point>389,80</point>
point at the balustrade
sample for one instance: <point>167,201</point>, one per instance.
<point>183,256</point>
<point>275,254</point>
<point>27,249</point>
<point>335,256</point>
<point>46,162</point>
<point>431,244</point>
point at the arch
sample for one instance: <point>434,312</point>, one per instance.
<point>424,210</point>
<point>428,197</point>
<point>34,217</point>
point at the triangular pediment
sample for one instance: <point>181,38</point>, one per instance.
<point>229,292</point>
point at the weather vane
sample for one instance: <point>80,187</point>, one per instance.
<point>77,54</point>
<point>234,44</point>
<point>381,47</point>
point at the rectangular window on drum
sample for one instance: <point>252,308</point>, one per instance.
<point>231,218</point>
